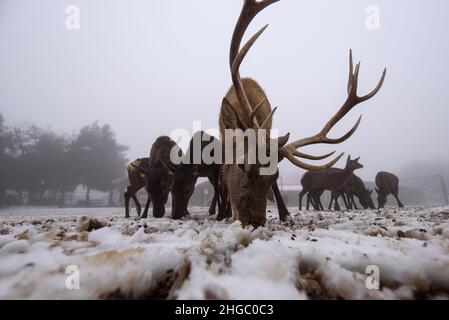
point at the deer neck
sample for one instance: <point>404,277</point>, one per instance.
<point>345,175</point>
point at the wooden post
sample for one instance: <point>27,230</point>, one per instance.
<point>443,186</point>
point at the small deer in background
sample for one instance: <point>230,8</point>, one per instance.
<point>354,187</point>
<point>387,183</point>
<point>332,179</point>
<point>186,174</point>
<point>158,175</point>
<point>246,106</point>
<point>137,180</point>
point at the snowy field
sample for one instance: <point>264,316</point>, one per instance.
<point>322,256</point>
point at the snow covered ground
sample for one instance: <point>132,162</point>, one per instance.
<point>323,255</point>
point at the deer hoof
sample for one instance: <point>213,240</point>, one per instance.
<point>289,220</point>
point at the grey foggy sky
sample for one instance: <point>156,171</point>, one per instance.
<point>148,67</point>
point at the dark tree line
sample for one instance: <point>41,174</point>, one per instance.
<point>40,167</point>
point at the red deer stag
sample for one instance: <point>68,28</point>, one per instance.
<point>158,176</point>
<point>187,173</point>
<point>246,106</point>
<point>314,183</point>
<point>387,183</point>
<point>137,180</point>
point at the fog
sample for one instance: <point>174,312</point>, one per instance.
<point>149,67</point>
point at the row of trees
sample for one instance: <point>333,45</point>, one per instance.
<point>39,166</point>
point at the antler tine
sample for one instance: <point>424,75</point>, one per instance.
<point>267,120</point>
<point>310,157</point>
<point>377,89</point>
<point>251,8</point>
<point>226,103</point>
<point>236,79</point>
<point>290,150</point>
<point>351,72</point>
<point>306,166</point>
<point>253,114</point>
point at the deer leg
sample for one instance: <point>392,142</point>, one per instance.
<point>301,195</point>
<point>127,197</point>
<point>213,204</point>
<point>399,201</point>
<point>332,200</point>
<point>147,207</point>
<point>318,200</point>
<point>216,198</point>
<point>311,200</point>
<point>224,206</point>
<point>346,200</point>
<point>350,199</point>
<point>282,209</point>
<point>308,201</point>
<point>138,206</point>
<point>351,202</point>
<point>337,205</point>
<point>354,203</point>
<point>336,196</point>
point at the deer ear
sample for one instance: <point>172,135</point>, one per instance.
<point>357,159</point>
<point>143,171</point>
<point>349,159</point>
<point>282,141</point>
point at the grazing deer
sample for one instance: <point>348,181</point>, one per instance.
<point>158,176</point>
<point>246,106</point>
<point>137,180</point>
<point>331,179</point>
<point>353,187</point>
<point>387,183</point>
<point>185,175</point>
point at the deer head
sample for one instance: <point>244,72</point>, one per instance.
<point>352,165</point>
<point>366,200</point>
<point>182,188</point>
<point>253,188</point>
<point>381,198</point>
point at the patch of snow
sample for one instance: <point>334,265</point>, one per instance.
<point>323,255</point>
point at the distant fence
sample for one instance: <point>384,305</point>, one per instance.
<point>413,191</point>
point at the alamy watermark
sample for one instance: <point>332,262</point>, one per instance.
<point>249,147</point>
<point>72,282</point>
<point>373,280</point>
<point>72,20</point>
<point>373,19</point>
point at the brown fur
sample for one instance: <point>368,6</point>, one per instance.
<point>185,176</point>
<point>246,193</point>
<point>387,183</point>
<point>137,180</point>
<point>244,188</point>
<point>356,187</point>
<point>159,179</point>
<point>314,183</point>
<point>353,187</point>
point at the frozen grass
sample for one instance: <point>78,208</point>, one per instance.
<point>324,255</point>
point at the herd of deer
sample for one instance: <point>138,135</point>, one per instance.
<point>241,191</point>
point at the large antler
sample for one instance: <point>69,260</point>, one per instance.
<point>250,9</point>
<point>291,152</point>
